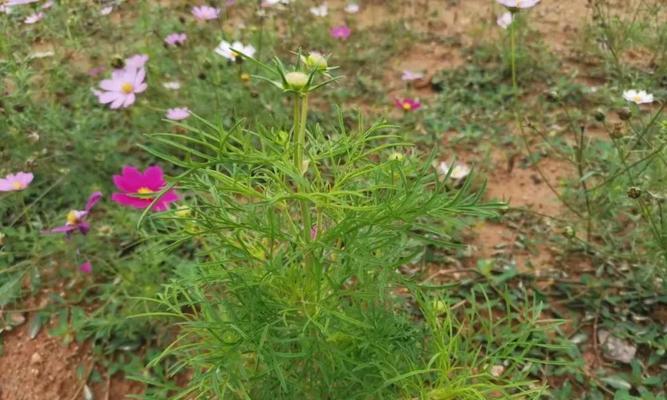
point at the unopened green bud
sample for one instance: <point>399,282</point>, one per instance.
<point>296,80</point>
<point>569,232</point>
<point>183,211</point>
<point>283,137</point>
<point>396,156</point>
<point>316,61</point>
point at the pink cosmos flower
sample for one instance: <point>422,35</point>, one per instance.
<point>505,20</point>
<point>409,76</point>
<point>47,5</point>
<point>340,32</point>
<point>178,113</point>
<point>95,71</point>
<point>515,4</point>
<point>106,10</point>
<point>205,13</point>
<point>175,39</point>
<point>33,18</point>
<point>408,104</point>
<point>136,61</point>
<point>86,267</point>
<point>121,89</point>
<point>138,189</point>
<point>15,182</point>
<point>11,3</point>
<point>76,219</point>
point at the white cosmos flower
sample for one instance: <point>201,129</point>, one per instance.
<point>173,85</point>
<point>227,50</point>
<point>320,11</point>
<point>505,20</point>
<point>638,97</point>
<point>459,170</point>
<point>518,3</point>
<point>271,3</point>
<point>352,8</point>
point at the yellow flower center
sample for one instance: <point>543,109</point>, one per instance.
<point>637,98</point>
<point>407,106</point>
<point>72,218</point>
<point>144,190</point>
<point>18,185</point>
<point>127,88</point>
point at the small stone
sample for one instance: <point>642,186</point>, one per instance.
<point>616,349</point>
<point>35,359</point>
<point>497,370</point>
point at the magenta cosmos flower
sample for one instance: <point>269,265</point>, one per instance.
<point>340,32</point>
<point>205,13</point>
<point>15,182</point>
<point>408,104</point>
<point>178,113</point>
<point>76,219</point>
<point>138,189</point>
<point>121,89</point>
<point>175,39</point>
<point>86,267</point>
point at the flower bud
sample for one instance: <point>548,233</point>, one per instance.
<point>316,61</point>
<point>624,113</point>
<point>183,212</point>
<point>599,115</point>
<point>283,137</point>
<point>296,80</point>
<point>616,131</point>
<point>396,156</point>
<point>569,232</point>
<point>634,192</point>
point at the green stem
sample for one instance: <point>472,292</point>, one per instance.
<point>513,54</point>
<point>300,118</point>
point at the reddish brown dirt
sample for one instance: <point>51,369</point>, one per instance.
<point>45,368</point>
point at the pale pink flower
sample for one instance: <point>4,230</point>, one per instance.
<point>205,13</point>
<point>95,71</point>
<point>106,10</point>
<point>505,20</point>
<point>136,61</point>
<point>515,4</point>
<point>11,3</point>
<point>15,182</point>
<point>47,5</point>
<point>175,39</point>
<point>121,89</point>
<point>411,75</point>
<point>33,18</point>
<point>178,113</point>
